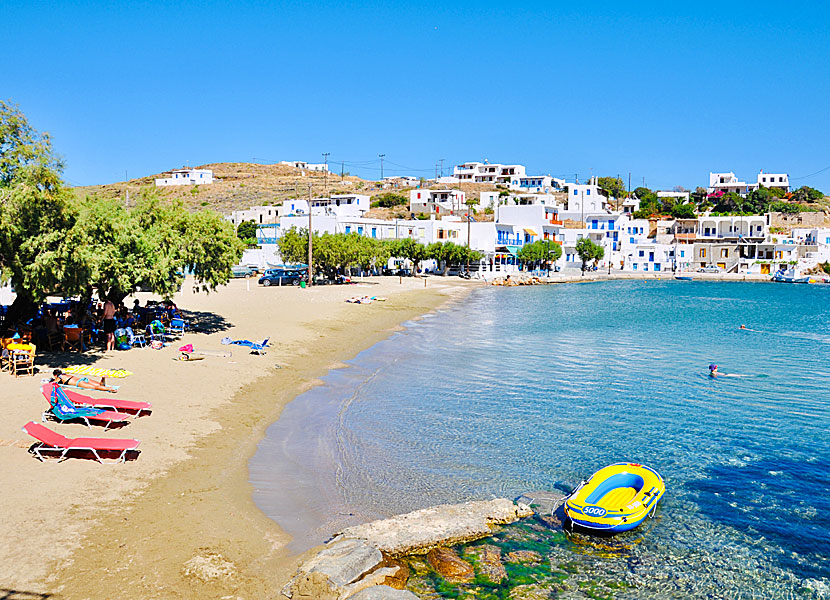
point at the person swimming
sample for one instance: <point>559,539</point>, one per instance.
<point>742,327</point>
<point>714,372</point>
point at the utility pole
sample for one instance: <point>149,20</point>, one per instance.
<point>310,266</point>
<point>629,184</point>
<point>381,165</point>
<point>326,172</point>
<point>341,170</point>
<point>442,166</point>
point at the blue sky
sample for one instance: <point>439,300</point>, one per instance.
<point>667,91</point>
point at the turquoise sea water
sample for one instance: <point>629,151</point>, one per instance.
<point>532,388</point>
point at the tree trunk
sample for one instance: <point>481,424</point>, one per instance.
<point>446,268</point>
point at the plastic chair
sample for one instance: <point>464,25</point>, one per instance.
<point>73,338</point>
<point>176,327</point>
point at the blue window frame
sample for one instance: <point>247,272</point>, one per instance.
<point>651,257</point>
<point>642,252</point>
<point>348,228</point>
<point>594,224</point>
<point>587,192</point>
<point>631,241</point>
<point>576,193</point>
<point>682,253</point>
<point>635,266</point>
<point>656,266</point>
<point>374,232</point>
<point>360,230</point>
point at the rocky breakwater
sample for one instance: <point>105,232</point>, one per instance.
<point>359,562</point>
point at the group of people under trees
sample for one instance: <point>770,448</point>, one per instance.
<point>97,321</point>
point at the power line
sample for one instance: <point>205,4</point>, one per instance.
<point>811,174</point>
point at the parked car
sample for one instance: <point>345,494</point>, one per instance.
<point>710,269</point>
<point>239,271</point>
<point>281,277</point>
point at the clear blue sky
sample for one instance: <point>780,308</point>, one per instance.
<point>667,91</point>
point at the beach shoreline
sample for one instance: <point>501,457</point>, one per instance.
<point>186,525</point>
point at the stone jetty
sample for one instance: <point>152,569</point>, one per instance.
<point>358,563</point>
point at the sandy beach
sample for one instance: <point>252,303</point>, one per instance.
<point>179,521</point>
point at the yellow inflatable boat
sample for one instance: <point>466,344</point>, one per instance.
<point>616,498</point>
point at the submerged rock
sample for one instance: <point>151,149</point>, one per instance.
<point>399,578</point>
<point>524,557</point>
<point>489,562</point>
<point>530,592</point>
<point>383,592</point>
<point>450,566</point>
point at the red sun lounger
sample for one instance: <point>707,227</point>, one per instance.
<point>50,441</point>
<point>122,406</point>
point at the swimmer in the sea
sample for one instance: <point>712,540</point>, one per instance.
<point>713,372</point>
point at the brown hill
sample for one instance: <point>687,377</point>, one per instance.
<point>242,185</point>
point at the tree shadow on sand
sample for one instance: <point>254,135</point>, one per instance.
<point>7,594</point>
<point>204,322</point>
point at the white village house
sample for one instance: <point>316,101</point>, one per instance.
<point>186,177</point>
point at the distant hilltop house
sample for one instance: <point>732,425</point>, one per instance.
<point>437,201</point>
<point>513,176</point>
<point>186,177</point>
<point>724,183</point>
<point>477,172</point>
<point>298,164</point>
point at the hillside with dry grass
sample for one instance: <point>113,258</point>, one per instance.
<point>239,186</point>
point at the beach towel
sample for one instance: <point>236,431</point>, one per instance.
<point>251,344</point>
<point>64,409</point>
<point>97,372</point>
<point>186,348</point>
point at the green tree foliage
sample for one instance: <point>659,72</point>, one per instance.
<point>333,252</point>
<point>589,251</point>
<point>25,154</point>
<point>807,194</point>
<point>539,252</point>
<point>685,210</point>
<point>408,248</point>
<point>52,243</point>
<point>389,200</point>
<point>449,254</point>
<point>613,186</point>
<point>246,231</point>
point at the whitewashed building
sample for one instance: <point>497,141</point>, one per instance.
<point>186,177</point>
<point>341,205</point>
<point>485,172</point>
<point>257,214</point>
<point>437,202</point>
<point>304,166</point>
<point>779,180</point>
<point>539,184</point>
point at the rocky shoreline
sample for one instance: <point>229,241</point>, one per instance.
<point>360,562</point>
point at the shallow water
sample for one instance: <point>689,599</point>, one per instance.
<point>537,387</point>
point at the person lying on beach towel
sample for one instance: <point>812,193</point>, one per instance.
<point>62,378</point>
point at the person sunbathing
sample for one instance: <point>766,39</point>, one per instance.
<point>62,378</point>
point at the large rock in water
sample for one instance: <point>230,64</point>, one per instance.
<point>448,524</point>
<point>450,566</point>
<point>489,562</point>
<point>328,574</point>
<point>352,563</point>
